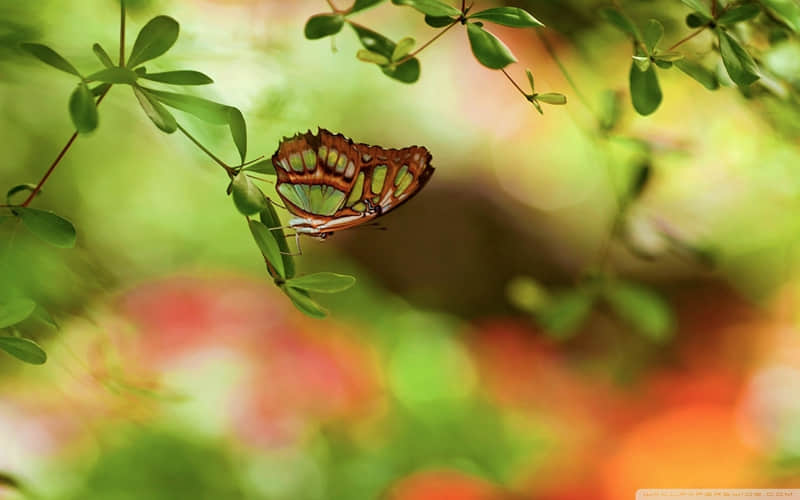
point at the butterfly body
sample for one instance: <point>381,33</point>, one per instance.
<point>329,183</point>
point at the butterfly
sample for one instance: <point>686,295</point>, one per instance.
<point>329,183</point>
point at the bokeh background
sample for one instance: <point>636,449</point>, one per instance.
<point>180,371</point>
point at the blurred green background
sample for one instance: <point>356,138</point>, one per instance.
<point>179,371</point>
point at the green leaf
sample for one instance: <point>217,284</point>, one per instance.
<point>15,311</point>
<point>101,89</point>
<point>48,226</point>
<point>45,317</point>
<point>645,90</point>
<point>621,22</point>
<point>82,109</point>
<point>51,57</point>
<point>653,33</point>
<point>162,118</point>
<point>113,75</point>
<point>269,217</point>
<point>663,64</point>
<point>303,301</point>
<point>488,49</point>
<point>102,55</point>
<point>695,20</point>
<point>740,66</point>
<point>247,197</point>
<point>360,5</point>
<point>322,282</point>
<point>644,309</point>
<point>323,25</point>
<point>372,57</point>
<point>403,48</point>
<point>705,77</point>
<point>552,98</point>
<point>527,294</point>
<point>565,313</point>
<point>24,349</point>
<point>182,77</point>
<point>268,245</point>
<point>508,16</point>
<point>262,167</point>
<point>238,131</point>
<point>154,39</point>
<point>642,62</point>
<point>18,189</point>
<point>787,11</point>
<point>609,110</point>
<point>408,72</point>
<point>669,56</point>
<point>739,13</point>
<point>640,180</point>
<point>439,22</point>
<point>530,79</point>
<point>433,8</point>
<point>700,6</point>
<point>209,111</point>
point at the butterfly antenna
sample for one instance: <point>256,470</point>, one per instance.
<point>277,205</point>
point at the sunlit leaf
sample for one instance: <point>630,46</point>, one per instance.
<point>82,109</point>
<point>610,110</point>
<point>408,72</point>
<point>530,80</point>
<point>644,309</point>
<point>303,301</point>
<point>247,197</point>
<point>113,75</point>
<point>739,13</point>
<point>704,76</point>
<point>508,16</point>
<point>262,167</point>
<point>181,77</point>
<point>102,55</point>
<point>154,39</point>
<point>668,56</point>
<point>50,56</point>
<point>48,226</point>
<point>23,349</point>
<point>162,118</point>
<point>209,111</point>
<point>740,66</point>
<point>269,217</point>
<point>15,310</point>
<point>488,49</point>
<point>645,90</point>
<point>372,57</point>
<point>527,294</point>
<point>787,11</point>
<point>403,48</point>
<point>238,130</point>
<point>652,35</point>
<point>322,282</point>
<point>552,98</point>
<point>323,25</point>
<point>268,244</point>
<point>433,8</point>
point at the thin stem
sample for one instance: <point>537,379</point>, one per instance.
<point>514,83</point>
<point>334,8</point>
<point>426,44</point>
<point>563,69</point>
<point>58,159</point>
<point>684,40</point>
<point>211,155</point>
<point>463,6</point>
<point>122,33</point>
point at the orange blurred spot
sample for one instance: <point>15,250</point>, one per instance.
<point>692,447</point>
<point>443,485</point>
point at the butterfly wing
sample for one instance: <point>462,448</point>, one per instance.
<point>330,183</point>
